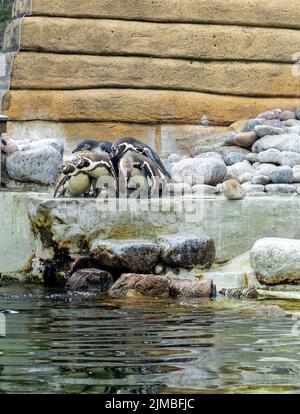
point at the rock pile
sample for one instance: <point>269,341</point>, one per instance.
<point>262,155</point>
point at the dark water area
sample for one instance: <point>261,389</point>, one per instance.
<point>57,343</point>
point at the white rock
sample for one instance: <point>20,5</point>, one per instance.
<point>281,188</point>
<point>199,171</point>
<point>240,168</point>
<point>285,142</point>
<point>174,158</point>
<point>253,188</point>
<point>246,177</point>
<point>289,158</point>
<point>260,179</point>
<point>264,169</point>
<point>276,260</point>
<point>269,156</point>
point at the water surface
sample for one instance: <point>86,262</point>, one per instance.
<point>78,344</point>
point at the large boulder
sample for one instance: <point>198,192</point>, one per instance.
<point>148,285</point>
<point>137,256</point>
<point>91,280</point>
<point>187,251</point>
<point>284,142</point>
<point>194,170</point>
<point>39,165</point>
<point>276,261</point>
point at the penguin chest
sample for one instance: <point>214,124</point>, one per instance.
<point>78,184</point>
<point>99,172</point>
<point>137,180</point>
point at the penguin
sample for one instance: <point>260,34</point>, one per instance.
<point>97,166</point>
<point>98,147</point>
<point>123,145</point>
<point>73,181</point>
<point>132,161</point>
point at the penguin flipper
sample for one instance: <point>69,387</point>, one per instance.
<point>59,185</point>
<point>155,158</point>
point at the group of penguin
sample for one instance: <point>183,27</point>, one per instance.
<point>100,165</point>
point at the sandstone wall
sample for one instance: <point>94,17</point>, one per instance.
<point>153,69</point>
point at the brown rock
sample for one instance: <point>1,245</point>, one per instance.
<point>286,115</point>
<point>274,311</point>
<point>191,289</point>
<point>148,285</point>
<point>91,280</point>
<point>135,106</point>
<point>233,190</point>
<point>60,71</point>
<point>245,139</point>
<point>240,293</point>
<point>254,12</point>
<point>186,252</point>
<point>96,36</point>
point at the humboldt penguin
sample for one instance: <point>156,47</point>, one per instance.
<point>131,162</point>
<point>98,147</point>
<point>98,167</point>
<point>122,145</point>
<point>73,181</point>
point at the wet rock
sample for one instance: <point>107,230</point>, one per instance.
<point>232,190</point>
<point>285,142</point>
<point>186,252</point>
<point>233,157</point>
<point>288,158</point>
<point>40,166</point>
<point>209,171</point>
<point>159,269</point>
<point>269,156</point>
<point>148,285</point>
<point>210,155</point>
<point>280,175</point>
<point>273,114</point>
<point>252,123</point>
<point>91,280</point>
<point>136,256</point>
<point>191,289</point>
<point>252,157</point>
<point>240,168</point>
<point>253,188</point>
<point>276,261</point>
<point>240,293</point>
<point>245,139</point>
<point>296,174</point>
<point>245,178</point>
<point>179,189</point>
<point>263,130</point>
<point>286,115</point>
<point>79,262</point>
<point>260,179</point>
<point>281,188</point>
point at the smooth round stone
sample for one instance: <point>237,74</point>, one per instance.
<point>272,114</point>
<point>228,149</point>
<point>269,156</point>
<point>229,139</point>
<point>281,188</point>
<point>252,123</point>
<point>174,158</point>
<point>194,171</point>
<point>265,169</point>
<point>281,175</point>
<point>232,190</point>
<point>291,122</point>
<point>298,113</point>
<point>233,158</point>
<point>260,179</point>
<point>200,149</point>
<point>284,142</point>
<point>286,115</point>
<point>252,157</point>
<point>263,130</point>
<point>240,168</point>
<point>245,139</point>
<point>204,190</point>
<point>289,158</point>
<point>253,188</point>
<point>296,173</point>
<point>245,178</point>
<point>276,123</point>
<point>214,154</point>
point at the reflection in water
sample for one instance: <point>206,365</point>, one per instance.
<point>58,343</point>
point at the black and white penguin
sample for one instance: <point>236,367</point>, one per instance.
<point>134,163</point>
<point>122,145</point>
<point>72,181</point>
<point>100,170</point>
<point>98,147</point>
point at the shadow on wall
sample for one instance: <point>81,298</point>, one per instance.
<point>11,15</point>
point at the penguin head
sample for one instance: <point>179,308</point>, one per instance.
<point>68,168</point>
<point>91,145</point>
<point>118,149</point>
<point>81,162</point>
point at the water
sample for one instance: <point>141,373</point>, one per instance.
<point>79,344</point>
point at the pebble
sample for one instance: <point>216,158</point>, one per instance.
<point>246,177</point>
<point>265,169</point>
<point>245,139</point>
<point>276,123</point>
<point>233,158</point>
<point>286,115</point>
<point>240,168</point>
<point>280,175</point>
<point>289,158</point>
<point>252,157</point>
<point>252,123</point>
<point>269,156</point>
<point>281,188</point>
<point>273,114</point>
<point>232,190</point>
<point>260,179</point>
<point>263,130</point>
<point>227,149</point>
